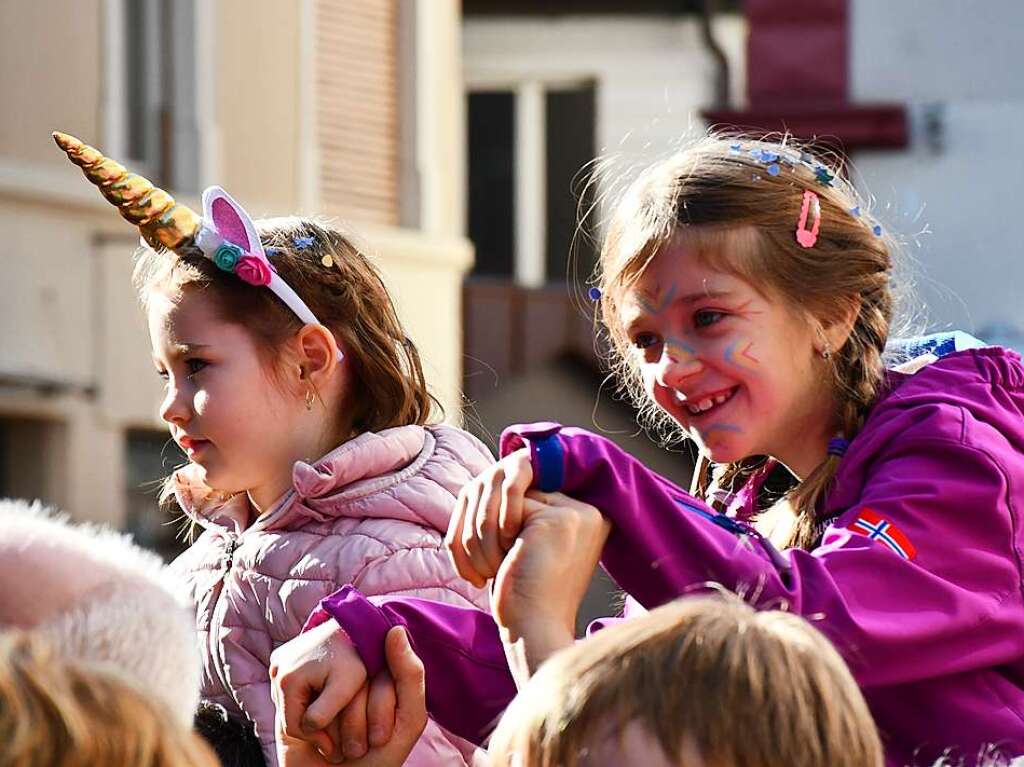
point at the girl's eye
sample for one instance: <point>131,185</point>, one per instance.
<point>194,365</point>
<point>163,374</point>
<point>707,317</point>
<point>644,340</point>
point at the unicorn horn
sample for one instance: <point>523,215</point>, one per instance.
<point>162,221</point>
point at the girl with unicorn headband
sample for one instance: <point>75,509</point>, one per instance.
<point>314,460</point>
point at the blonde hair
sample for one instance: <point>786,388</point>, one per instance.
<point>711,680</point>
<point>56,712</point>
<point>738,217</point>
<point>343,290</point>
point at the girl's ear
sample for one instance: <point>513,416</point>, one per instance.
<point>838,332</point>
<point>318,352</point>
<point>231,221</point>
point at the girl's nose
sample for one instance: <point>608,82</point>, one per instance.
<point>678,362</point>
<point>174,409</point>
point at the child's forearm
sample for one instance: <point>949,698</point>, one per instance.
<point>533,644</point>
<point>468,682</point>
<point>652,519</point>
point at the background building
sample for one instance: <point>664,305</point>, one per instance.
<point>436,129</point>
<point>350,110</point>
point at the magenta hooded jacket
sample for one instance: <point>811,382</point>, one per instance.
<point>371,513</point>
<point>917,580</point>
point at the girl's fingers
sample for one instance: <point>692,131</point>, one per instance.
<point>469,543</point>
<point>488,549</point>
<point>518,478</point>
<point>453,539</point>
<point>409,683</point>
<point>380,709</point>
<point>353,726</point>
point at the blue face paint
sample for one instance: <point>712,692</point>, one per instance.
<point>675,342</point>
<point>722,427</point>
<point>660,301</point>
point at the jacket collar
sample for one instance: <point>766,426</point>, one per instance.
<point>321,490</point>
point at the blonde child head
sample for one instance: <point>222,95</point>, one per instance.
<point>701,682</point>
<point>56,712</point>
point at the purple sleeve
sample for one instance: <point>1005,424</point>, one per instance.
<point>651,516</point>
<point>468,683</point>
<point>953,606</point>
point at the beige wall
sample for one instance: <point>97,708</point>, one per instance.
<point>68,314</point>
<point>257,98</point>
<point>49,74</point>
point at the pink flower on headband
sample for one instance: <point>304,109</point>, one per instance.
<point>253,270</point>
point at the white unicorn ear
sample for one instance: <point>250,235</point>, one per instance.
<point>231,221</point>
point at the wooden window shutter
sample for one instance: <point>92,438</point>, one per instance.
<point>357,108</point>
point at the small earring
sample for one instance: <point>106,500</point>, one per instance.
<point>826,353</point>
<point>310,398</point>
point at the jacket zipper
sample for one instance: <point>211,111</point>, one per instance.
<point>217,618</point>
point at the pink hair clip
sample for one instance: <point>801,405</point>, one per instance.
<point>807,237</point>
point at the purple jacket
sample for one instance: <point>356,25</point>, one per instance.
<point>918,580</point>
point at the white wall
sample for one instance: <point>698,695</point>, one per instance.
<point>652,73</point>
<point>963,62</point>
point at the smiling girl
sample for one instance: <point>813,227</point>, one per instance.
<point>748,299</point>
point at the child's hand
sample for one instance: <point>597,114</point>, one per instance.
<point>404,686</point>
<point>546,573</point>
<point>541,583</point>
<point>313,678</point>
<point>488,516</point>
<point>540,548</point>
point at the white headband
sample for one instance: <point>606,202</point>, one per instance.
<point>227,236</point>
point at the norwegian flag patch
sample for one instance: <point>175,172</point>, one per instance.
<point>875,527</point>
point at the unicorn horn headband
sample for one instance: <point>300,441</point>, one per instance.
<point>225,233</point>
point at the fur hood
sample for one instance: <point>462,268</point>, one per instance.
<point>99,598</point>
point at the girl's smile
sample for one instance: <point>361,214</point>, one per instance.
<point>707,404</point>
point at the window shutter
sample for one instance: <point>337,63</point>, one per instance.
<point>357,108</point>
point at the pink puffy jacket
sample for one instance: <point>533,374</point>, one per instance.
<point>371,513</point>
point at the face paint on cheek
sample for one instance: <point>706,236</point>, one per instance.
<point>738,355</point>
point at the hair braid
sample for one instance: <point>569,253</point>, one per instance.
<point>858,372</point>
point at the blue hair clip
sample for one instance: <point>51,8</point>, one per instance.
<point>303,242</point>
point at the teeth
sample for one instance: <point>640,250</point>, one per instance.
<point>705,404</point>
